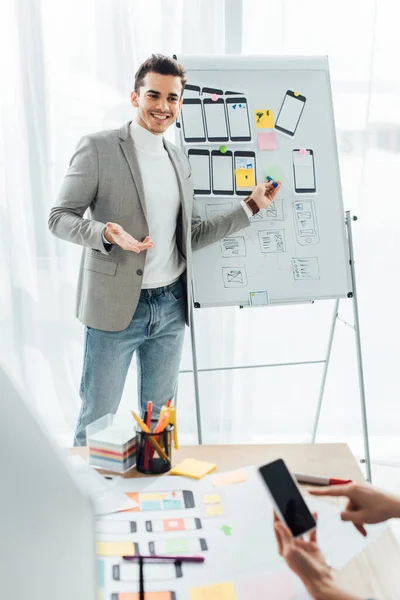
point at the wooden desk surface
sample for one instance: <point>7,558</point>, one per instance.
<point>375,573</point>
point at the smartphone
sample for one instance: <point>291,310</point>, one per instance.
<point>151,572</point>
<point>114,526</point>
<point>201,171</point>
<point>286,497</point>
<point>178,546</point>
<point>173,524</point>
<point>215,117</point>
<point>304,172</point>
<point>222,172</point>
<point>245,160</point>
<point>290,113</point>
<point>175,500</point>
<point>238,119</point>
<point>191,91</point>
<point>193,120</point>
<point>207,91</point>
<point>148,596</point>
<point>305,220</point>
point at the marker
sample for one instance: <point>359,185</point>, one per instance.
<point>191,559</point>
<point>313,480</point>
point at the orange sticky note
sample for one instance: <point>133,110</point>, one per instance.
<point>245,177</point>
<point>229,478</point>
<point>214,510</point>
<point>216,591</point>
<point>264,118</point>
<point>193,468</point>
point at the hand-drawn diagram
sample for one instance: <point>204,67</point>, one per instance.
<point>274,212</point>
<point>305,220</point>
<point>233,246</point>
<point>234,277</point>
<point>305,268</point>
<point>272,240</point>
<point>213,210</point>
<point>260,216</point>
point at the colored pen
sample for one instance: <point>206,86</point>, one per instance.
<point>313,480</point>
<point>152,441</point>
<point>190,559</point>
<point>147,445</point>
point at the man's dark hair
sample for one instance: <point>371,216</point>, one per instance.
<point>163,65</point>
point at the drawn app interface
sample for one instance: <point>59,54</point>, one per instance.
<point>192,119</point>
<point>161,500</point>
<point>216,120</point>
<point>304,177</point>
<point>222,174</point>
<point>290,114</point>
<point>238,118</point>
<point>177,546</point>
<point>200,165</point>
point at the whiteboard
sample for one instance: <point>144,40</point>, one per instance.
<point>274,117</point>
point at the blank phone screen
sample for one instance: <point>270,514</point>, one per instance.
<point>303,171</point>
<point>238,120</point>
<point>200,164</point>
<point>192,119</point>
<point>222,174</point>
<point>287,497</point>
<point>290,113</point>
<point>216,121</point>
<point>151,572</point>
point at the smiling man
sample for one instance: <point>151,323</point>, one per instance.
<point>138,236</point>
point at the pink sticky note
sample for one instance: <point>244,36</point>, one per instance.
<point>302,151</point>
<point>214,97</point>
<point>267,141</point>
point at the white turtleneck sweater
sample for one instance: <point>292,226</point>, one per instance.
<point>164,264</point>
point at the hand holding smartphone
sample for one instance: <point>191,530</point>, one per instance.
<point>286,498</point>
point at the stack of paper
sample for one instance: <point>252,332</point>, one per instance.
<point>113,449</point>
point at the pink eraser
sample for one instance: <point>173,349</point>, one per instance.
<point>214,97</point>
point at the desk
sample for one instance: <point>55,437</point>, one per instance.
<point>374,573</point>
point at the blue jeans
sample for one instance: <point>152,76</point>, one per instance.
<point>156,333</point>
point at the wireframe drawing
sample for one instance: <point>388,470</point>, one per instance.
<point>233,246</point>
<point>274,212</point>
<point>272,240</point>
<point>305,268</point>
<point>305,220</point>
<point>260,216</point>
<point>234,277</point>
<point>212,210</point>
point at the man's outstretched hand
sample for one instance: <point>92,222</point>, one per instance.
<point>115,234</point>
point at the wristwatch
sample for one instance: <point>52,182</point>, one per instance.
<point>252,205</point>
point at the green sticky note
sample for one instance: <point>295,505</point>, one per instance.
<point>275,172</point>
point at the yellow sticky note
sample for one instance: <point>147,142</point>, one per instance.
<point>216,591</point>
<point>212,498</point>
<point>214,509</point>
<point>153,496</point>
<point>115,548</point>
<point>264,118</point>
<point>245,177</point>
<point>229,478</point>
<point>193,468</point>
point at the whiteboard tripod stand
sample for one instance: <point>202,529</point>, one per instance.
<point>325,362</point>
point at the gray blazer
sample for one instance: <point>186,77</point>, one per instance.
<point>104,178</point>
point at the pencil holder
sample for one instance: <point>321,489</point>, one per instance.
<point>153,451</point>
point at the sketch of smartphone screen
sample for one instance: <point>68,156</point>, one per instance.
<point>114,526</point>
<point>187,524</point>
<point>148,595</point>
<point>191,91</point>
<point>245,160</point>
<point>207,92</point>
<point>193,120</point>
<point>290,113</point>
<point>201,172</point>
<point>175,546</point>
<point>222,172</point>
<point>151,572</point>
<point>238,119</point>
<point>215,116</point>
<point>229,93</point>
<point>286,497</point>
<point>304,172</point>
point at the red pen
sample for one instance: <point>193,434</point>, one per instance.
<point>313,480</point>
